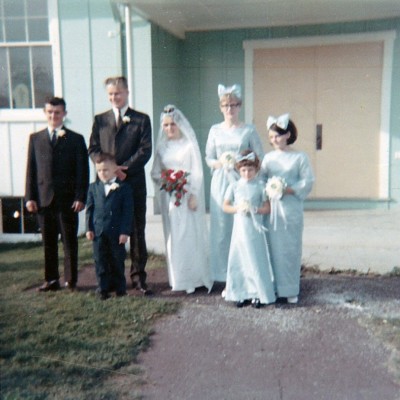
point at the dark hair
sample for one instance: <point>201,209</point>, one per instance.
<point>102,157</point>
<point>56,101</point>
<point>291,128</point>
<point>248,163</point>
<point>117,81</point>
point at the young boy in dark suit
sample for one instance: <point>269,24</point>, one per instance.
<point>109,212</point>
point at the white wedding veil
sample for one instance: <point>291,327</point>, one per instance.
<point>196,177</point>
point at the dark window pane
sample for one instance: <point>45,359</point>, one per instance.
<point>37,8</point>
<point>16,218</point>
<point>38,29</point>
<point>12,220</point>
<point>14,8</point>
<point>4,73</point>
<point>20,77</point>
<point>15,30</point>
<point>42,74</point>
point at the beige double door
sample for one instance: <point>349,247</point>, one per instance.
<point>333,94</point>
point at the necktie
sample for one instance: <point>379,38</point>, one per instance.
<point>54,138</point>
<point>119,122</point>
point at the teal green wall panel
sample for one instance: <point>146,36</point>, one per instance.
<point>90,45</point>
<point>167,78</point>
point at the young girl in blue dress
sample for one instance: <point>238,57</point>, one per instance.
<point>249,275</point>
<point>285,228</point>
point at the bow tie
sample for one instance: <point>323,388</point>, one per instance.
<point>109,182</point>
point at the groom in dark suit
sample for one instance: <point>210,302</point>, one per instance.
<point>126,134</point>
<point>57,179</point>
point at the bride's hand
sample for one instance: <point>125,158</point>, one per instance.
<point>192,202</point>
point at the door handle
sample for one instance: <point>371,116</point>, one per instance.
<point>318,141</point>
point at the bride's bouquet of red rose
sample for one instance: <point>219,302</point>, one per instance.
<point>174,182</point>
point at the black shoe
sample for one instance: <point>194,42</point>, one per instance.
<point>255,303</point>
<point>50,286</point>
<point>70,285</point>
<point>104,295</point>
<point>142,287</point>
<point>121,294</point>
<point>240,303</point>
<point>146,292</point>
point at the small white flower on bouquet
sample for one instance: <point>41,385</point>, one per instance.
<point>61,133</point>
<point>244,207</point>
<point>126,119</point>
<point>114,186</point>
<point>275,187</point>
<point>228,160</point>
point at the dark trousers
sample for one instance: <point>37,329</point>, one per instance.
<point>109,257</point>
<point>138,248</point>
<point>53,222</point>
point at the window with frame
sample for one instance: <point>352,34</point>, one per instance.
<point>26,66</point>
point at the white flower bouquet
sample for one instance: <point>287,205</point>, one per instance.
<point>275,187</point>
<point>228,160</point>
<point>244,207</point>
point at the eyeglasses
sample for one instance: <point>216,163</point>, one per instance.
<point>230,105</point>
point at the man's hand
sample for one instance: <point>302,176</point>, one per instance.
<point>78,206</point>
<point>31,206</point>
<point>121,175</point>
<point>123,239</point>
<point>90,235</point>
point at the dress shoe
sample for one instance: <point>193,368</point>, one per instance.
<point>142,287</point>
<point>104,295</point>
<point>70,285</point>
<point>255,303</point>
<point>293,300</point>
<point>121,294</point>
<point>146,292</point>
<point>50,286</point>
<point>240,304</point>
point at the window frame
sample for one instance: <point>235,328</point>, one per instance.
<point>36,114</point>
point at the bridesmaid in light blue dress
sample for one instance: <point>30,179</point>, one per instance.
<point>225,141</point>
<point>249,268</point>
<point>285,226</point>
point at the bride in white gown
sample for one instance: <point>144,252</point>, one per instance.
<point>184,218</point>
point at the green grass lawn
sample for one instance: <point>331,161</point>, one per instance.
<point>67,345</point>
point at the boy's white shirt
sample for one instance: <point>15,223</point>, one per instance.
<point>107,186</point>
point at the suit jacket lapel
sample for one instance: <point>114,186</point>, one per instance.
<point>100,193</point>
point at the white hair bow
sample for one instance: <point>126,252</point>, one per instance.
<point>251,157</point>
<point>235,90</point>
<point>282,121</point>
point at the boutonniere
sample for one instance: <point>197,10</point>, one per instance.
<point>114,186</point>
<point>61,133</point>
<point>126,119</point>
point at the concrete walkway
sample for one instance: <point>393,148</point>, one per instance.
<point>361,240</point>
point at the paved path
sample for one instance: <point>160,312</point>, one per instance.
<point>327,347</point>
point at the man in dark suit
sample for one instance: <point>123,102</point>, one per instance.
<point>126,134</point>
<point>57,179</point>
<point>109,212</point>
